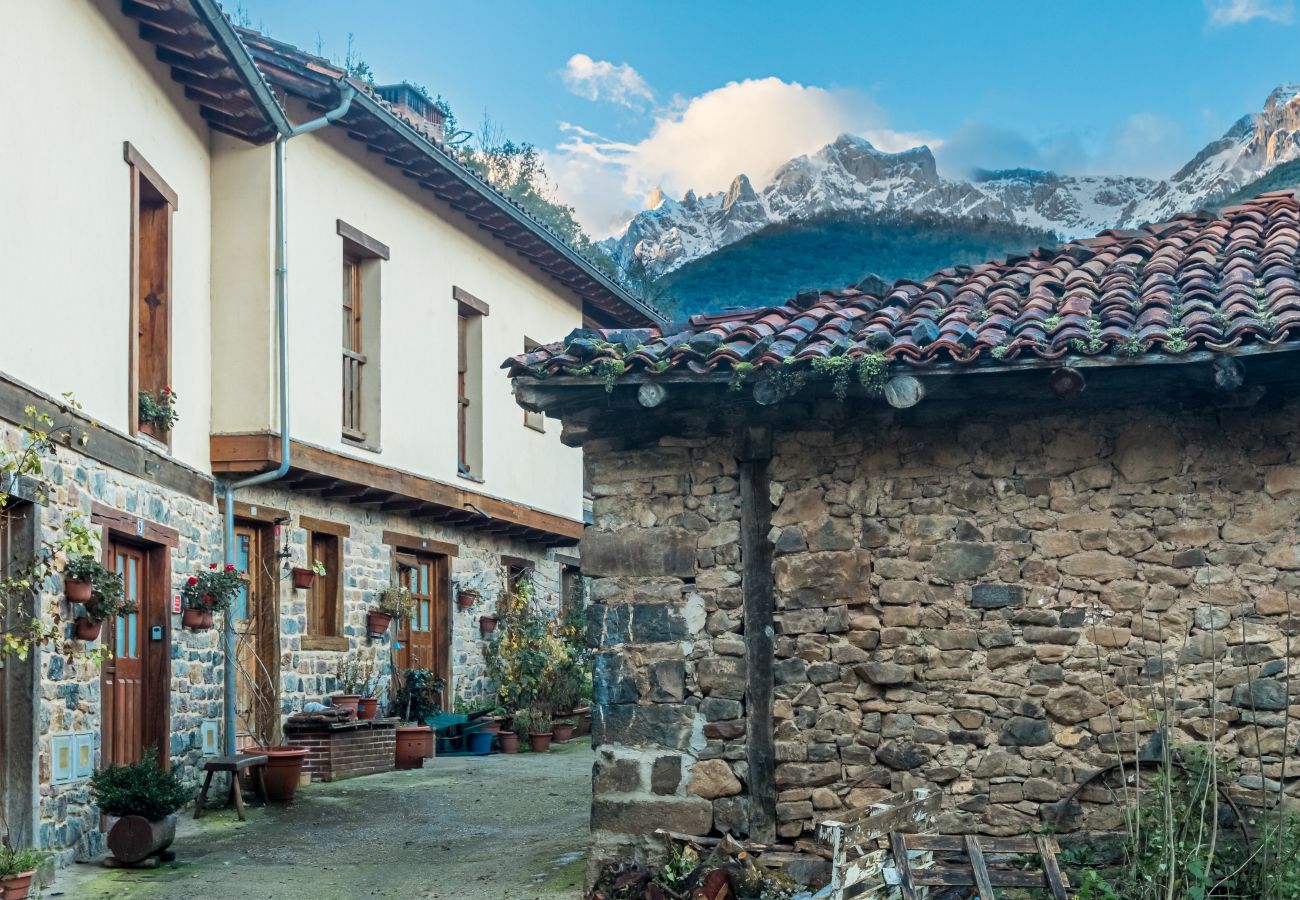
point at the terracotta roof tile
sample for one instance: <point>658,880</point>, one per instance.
<point>1194,282</point>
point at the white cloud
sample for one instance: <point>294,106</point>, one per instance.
<point>602,80</point>
<point>703,142</point>
<point>1234,12</point>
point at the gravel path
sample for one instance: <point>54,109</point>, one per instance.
<point>466,828</point>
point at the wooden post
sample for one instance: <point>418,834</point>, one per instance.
<point>754,452</point>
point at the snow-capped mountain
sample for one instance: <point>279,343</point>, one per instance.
<point>852,175</point>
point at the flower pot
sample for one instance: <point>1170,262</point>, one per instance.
<point>377,622</point>
<point>508,741</point>
<point>368,708</point>
<point>414,746</point>
<point>562,731</point>
<point>584,725</point>
<point>466,598</point>
<point>282,771</point>
<point>349,702</point>
<point>539,742</point>
<point>86,629</point>
<point>303,578</point>
<point>17,887</point>
<point>487,625</point>
<point>491,726</point>
<point>77,591</point>
<point>480,743</point>
<point>196,619</point>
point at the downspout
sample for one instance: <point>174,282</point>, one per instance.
<point>346,93</point>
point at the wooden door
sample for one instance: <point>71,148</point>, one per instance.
<point>256,641</point>
<point>423,636</point>
<point>125,703</point>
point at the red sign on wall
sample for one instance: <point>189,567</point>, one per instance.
<point>176,603</point>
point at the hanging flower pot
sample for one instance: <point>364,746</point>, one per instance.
<point>377,622</point>
<point>303,578</point>
<point>76,590</point>
<point>487,625</point>
<point>196,619</point>
<point>86,629</point>
<point>466,598</point>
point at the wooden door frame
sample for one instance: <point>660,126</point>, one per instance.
<point>156,542</point>
<point>440,611</point>
<point>266,592</point>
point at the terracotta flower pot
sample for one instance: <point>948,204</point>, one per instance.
<point>487,625</point>
<point>368,708</point>
<point>491,726</point>
<point>562,732</point>
<point>539,742</point>
<point>197,619</point>
<point>86,629</point>
<point>377,622</point>
<point>303,578</point>
<point>414,745</point>
<point>282,771</point>
<point>17,887</point>
<point>76,591</point>
<point>508,741</point>
<point>350,702</point>
<point>466,598</point>
<point>584,725</point>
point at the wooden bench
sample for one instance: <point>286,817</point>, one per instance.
<point>235,765</point>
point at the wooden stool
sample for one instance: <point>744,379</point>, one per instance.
<point>235,765</point>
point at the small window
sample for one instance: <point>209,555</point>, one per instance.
<point>517,570</point>
<point>469,383</point>
<point>362,256</point>
<point>325,598</point>
<point>534,420</point>
<point>153,203</point>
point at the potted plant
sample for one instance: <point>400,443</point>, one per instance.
<point>107,600</point>
<point>562,730</point>
<point>394,601</point>
<point>487,625</point>
<point>347,678</point>
<point>144,799</point>
<point>157,411</point>
<point>508,741</point>
<point>368,706</point>
<point>415,702</point>
<point>536,723</point>
<point>208,592</point>
<point>79,578</point>
<point>466,597</point>
<point>305,578</point>
<point>18,867</point>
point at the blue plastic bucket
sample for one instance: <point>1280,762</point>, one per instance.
<point>480,743</point>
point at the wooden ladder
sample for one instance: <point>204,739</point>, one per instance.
<point>976,871</point>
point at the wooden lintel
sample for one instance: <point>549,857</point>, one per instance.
<point>255,512</point>
<point>325,526</point>
<point>131,525</point>
<point>419,543</point>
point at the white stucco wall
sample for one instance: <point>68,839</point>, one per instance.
<point>83,83</point>
<point>330,177</point>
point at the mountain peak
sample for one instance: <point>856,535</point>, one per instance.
<point>656,198</point>
<point>741,191</point>
<point>1283,94</point>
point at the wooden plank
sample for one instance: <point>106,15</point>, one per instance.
<point>255,512</point>
<point>133,526</point>
<point>325,526</point>
<point>419,543</point>
<point>907,879</point>
<point>947,877</point>
<point>875,821</point>
<point>363,244</point>
<point>470,305</point>
<point>1056,882</point>
<point>979,869</point>
<point>955,843</point>
<point>758,601</point>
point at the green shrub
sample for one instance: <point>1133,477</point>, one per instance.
<point>139,789</point>
<point>17,860</point>
<point>414,700</point>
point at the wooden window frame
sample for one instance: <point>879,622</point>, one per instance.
<point>313,637</point>
<point>468,307</point>
<point>145,179</point>
<point>359,250</point>
<point>516,568</point>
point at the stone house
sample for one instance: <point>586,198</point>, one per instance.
<point>981,532</point>
<point>151,243</point>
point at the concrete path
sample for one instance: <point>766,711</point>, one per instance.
<point>466,828</point>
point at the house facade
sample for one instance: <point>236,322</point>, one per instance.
<point>154,236</point>
<point>988,533</point>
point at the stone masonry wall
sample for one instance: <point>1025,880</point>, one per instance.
<point>992,606</point>
<point>70,692</point>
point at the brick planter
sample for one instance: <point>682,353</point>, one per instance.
<point>344,750</point>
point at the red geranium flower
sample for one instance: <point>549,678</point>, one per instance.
<point>230,568</point>
<point>193,580</point>
<point>212,565</point>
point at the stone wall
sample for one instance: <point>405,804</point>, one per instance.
<point>70,691</point>
<point>988,605</point>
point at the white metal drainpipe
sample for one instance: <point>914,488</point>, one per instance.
<point>346,93</point>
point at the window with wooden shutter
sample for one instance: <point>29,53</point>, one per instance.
<point>362,257</point>
<point>152,206</point>
<point>325,597</point>
<point>469,383</point>
<point>353,359</point>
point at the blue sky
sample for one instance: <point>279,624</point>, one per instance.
<point>626,96</point>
